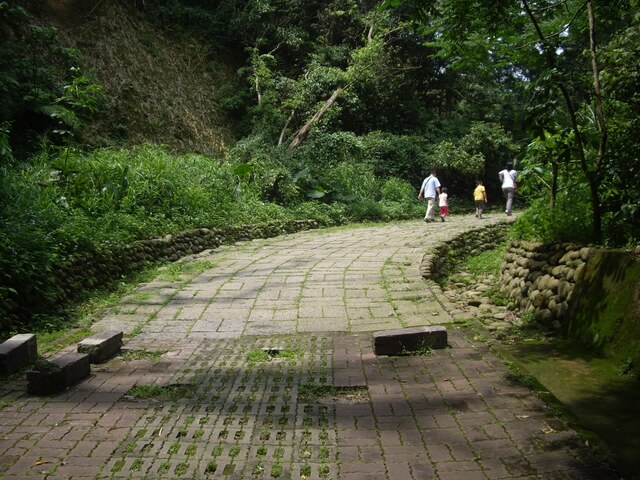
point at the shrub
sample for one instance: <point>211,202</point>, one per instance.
<point>366,209</point>
<point>354,179</point>
<point>395,155</point>
<point>325,214</point>
<point>261,168</point>
<point>569,221</point>
<point>326,150</point>
<point>68,203</point>
<point>396,190</point>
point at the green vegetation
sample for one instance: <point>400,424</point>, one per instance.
<point>164,393</point>
<point>212,466</point>
<point>5,402</point>
<point>324,111</point>
<point>174,272</point>
<point>605,312</point>
<point>265,354</point>
<point>68,202</point>
<point>129,355</point>
<point>485,263</point>
<point>258,355</point>
<point>571,61</point>
<point>313,392</point>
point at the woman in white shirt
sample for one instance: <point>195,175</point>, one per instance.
<point>508,178</point>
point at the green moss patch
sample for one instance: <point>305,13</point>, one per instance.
<point>588,388</point>
<point>606,308</point>
<point>162,392</point>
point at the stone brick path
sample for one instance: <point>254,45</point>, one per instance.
<point>261,366</point>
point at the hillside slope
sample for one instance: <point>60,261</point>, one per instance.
<point>160,89</point>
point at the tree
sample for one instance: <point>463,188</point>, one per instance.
<point>549,49</point>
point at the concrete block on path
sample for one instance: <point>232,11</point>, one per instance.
<point>59,373</point>
<point>17,352</point>
<point>101,346</point>
<point>407,340</point>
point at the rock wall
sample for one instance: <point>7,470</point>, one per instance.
<point>541,278</point>
<point>605,306</point>
<point>588,294</point>
<point>89,270</point>
<point>437,262</point>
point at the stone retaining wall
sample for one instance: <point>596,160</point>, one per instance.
<point>541,278</point>
<point>436,263</point>
<point>588,294</point>
<point>90,269</point>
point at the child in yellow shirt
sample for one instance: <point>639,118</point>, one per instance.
<point>480,197</point>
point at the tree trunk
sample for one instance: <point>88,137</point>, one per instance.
<point>593,176</point>
<point>284,129</point>
<point>306,128</point>
<point>602,127</point>
<point>554,184</point>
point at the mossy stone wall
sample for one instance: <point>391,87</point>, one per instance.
<point>88,270</point>
<point>588,294</point>
<point>92,269</point>
<point>605,311</point>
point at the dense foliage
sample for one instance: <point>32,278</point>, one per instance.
<point>338,108</point>
<point>67,202</point>
<point>574,63</point>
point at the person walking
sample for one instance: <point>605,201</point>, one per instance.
<point>480,197</point>
<point>430,189</point>
<point>508,176</point>
<point>443,203</point>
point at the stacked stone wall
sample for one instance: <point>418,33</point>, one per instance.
<point>437,262</point>
<point>541,278</point>
<point>88,270</point>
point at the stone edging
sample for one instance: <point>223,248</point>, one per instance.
<point>91,269</point>
<point>435,262</point>
<point>534,276</point>
<point>87,270</point>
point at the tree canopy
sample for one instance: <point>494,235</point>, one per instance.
<point>331,110</point>
<point>559,57</point>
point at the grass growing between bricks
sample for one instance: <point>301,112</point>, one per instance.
<point>130,355</point>
<point>253,408</point>
<point>161,393</point>
<point>315,393</point>
<point>183,270</point>
<point>266,354</point>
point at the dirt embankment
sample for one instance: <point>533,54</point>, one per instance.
<point>160,89</point>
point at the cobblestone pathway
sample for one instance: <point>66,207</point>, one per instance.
<point>259,365</point>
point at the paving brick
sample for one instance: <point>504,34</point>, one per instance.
<point>462,475</point>
<point>423,471</point>
<point>397,342</point>
<point>349,454</point>
<point>17,352</point>
<point>452,407</point>
<point>399,471</point>
<point>354,470</point>
<point>371,453</point>
<point>404,454</point>
<point>59,373</point>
